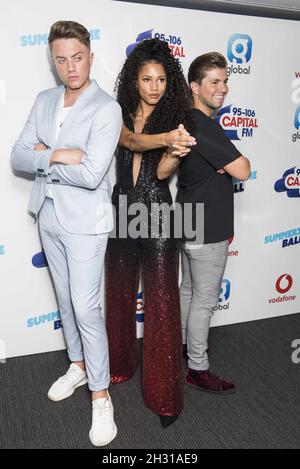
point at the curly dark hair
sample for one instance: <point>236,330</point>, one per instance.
<point>171,110</point>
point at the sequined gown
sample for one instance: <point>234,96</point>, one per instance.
<point>158,257</point>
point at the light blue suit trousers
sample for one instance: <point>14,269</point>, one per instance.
<point>76,264</point>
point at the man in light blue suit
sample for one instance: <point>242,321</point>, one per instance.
<point>68,143</point>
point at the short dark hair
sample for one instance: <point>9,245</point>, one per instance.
<point>203,63</point>
<point>69,30</point>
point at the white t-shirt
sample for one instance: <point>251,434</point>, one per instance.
<point>61,115</point>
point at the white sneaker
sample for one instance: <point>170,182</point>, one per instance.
<point>66,384</point>
<point>103,429</point>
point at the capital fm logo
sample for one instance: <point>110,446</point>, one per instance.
<point>2,251</point>
<point>39,260</point>
<point>224,295</point>
<point>53,317</point>
<point>238,122</point>
<point>287,238</point>
<point>239,51</point>
<point>283,285</point>
<point>174,41</point>
<point>295,96</point>
<point>289,182</point>
<point>139,307</point>
<point>41,39</point>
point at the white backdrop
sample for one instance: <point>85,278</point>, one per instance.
<point>262,111</point>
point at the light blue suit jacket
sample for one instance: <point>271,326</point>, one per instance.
<point>81,193</point>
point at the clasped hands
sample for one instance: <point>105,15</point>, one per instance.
<point>179,141</point>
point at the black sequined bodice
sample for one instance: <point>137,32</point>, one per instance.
<point>148,188</point>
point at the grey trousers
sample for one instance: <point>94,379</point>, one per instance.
<point>202,271</point>
<point>76,263</point>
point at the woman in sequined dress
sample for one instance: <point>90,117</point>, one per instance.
<point>153,95</point>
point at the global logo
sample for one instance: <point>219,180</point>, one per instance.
<point>237,122</point>
<point>174,41</point>
<point>297,118</point>
<point>283,284</point>
<point>224,295</point>
<point>296,100</point>
<point>239,52</point>
<point>225,290</point>
<point>289,182</point>
<point>139,307</point>
<point>296,135</point>
<point>39,260</point>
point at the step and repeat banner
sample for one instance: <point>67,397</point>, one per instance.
<point>261,115</point>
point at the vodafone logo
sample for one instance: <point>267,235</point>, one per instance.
<point>232,252</point>
<point>284,283</point>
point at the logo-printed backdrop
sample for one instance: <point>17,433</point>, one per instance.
<point>261,116</point>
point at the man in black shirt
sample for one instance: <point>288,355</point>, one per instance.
<point>205,178</point>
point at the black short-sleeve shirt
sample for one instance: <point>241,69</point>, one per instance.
<point>199,181</point>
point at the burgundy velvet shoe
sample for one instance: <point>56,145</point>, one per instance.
<point>209,382</point>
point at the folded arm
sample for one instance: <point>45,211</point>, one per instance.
<point>239,168</point>
<point>96,159</point>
